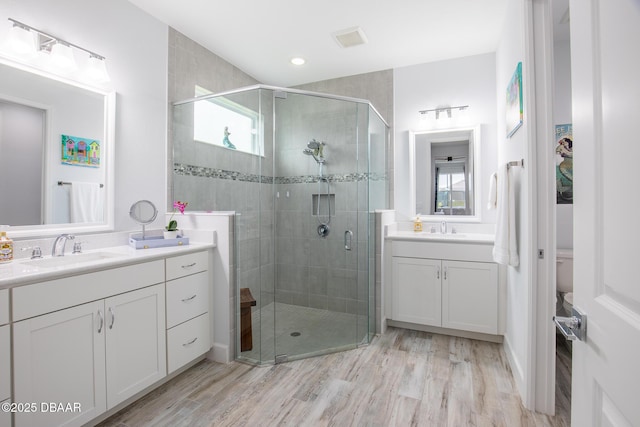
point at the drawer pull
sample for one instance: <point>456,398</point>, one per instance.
<point>113,318</point>
<point>189,265</point>
<point>101,321</point>
<point>189,299</point>
<point>190,342</point>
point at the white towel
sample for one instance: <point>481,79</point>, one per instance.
<point>493,191</point>
<point>505,248</point>
<point>85,202</point>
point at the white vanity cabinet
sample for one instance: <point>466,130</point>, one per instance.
<point>95,354</point>
<point>5,357</point>
<point>135,342</point>
<point>470,296</point>
<point>60,357</point>
<point>445,285</point>
<point>188,304</point>
<point>417,291</point>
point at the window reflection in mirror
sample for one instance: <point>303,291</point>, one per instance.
<point>444,173</point>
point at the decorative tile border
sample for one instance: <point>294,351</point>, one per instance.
<point>205,172</point>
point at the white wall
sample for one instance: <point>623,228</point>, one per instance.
<point>462,81</point>
<point>562,114</point>
<point>135,45</point>
<point>511,50</point>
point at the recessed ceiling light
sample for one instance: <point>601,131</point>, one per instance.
<point>297,61</point>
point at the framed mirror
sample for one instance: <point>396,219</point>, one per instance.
<point>56,153</point>
<point>445,174</point>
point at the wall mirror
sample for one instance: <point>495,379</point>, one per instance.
<point>445,174</point>
<point>54,134</point>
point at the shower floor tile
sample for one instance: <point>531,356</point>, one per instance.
<point>302,332</point>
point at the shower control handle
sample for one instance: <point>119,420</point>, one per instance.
<point>348,236</point>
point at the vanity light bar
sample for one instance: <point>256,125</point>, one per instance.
<point>49,40</point>
<point>444,109</point>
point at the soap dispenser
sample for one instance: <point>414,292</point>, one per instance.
<point>417,224</point>
<point>6,247</point>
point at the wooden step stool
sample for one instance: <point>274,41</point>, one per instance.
<point>246,302</point>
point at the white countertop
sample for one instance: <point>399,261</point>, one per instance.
<point>439,237</point>
<point>24,271</point>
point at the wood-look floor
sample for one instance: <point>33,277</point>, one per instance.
<point>404,378</point>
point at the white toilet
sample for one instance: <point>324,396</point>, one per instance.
<point>564,279</point>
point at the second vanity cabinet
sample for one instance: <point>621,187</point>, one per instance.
<point>445,285</point>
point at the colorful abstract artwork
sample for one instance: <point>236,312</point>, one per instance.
<point>80,151</point>
<point>564,164</point>
<point>514,107</point>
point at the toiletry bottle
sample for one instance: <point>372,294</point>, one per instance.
<point>417,224</point>
<point>6,248</point>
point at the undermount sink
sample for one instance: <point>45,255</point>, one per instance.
<point>61,261</point>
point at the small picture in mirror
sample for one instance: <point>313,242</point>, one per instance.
<point>80,151</point>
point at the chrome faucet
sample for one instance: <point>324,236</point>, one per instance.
<point>443,227</point>
<point>58,244</point>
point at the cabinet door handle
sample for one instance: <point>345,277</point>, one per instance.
<point>437,272</point>
<point>101,318</point>
<point>190,342</point>
<point>189,299</point>
<point>189,265</point>
<point>113,317</point>
<point>445,273</point>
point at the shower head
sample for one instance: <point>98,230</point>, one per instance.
<point>313,144</point>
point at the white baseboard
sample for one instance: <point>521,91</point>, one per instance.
<point>219,353</point>
<point>516,368</point>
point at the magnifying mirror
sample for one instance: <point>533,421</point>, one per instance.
<point>143,212</point>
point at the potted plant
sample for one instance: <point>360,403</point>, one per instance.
<point>171,230</point>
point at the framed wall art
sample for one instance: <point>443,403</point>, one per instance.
<point>514,108</point>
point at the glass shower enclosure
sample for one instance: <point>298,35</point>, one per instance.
<point>304,173</point>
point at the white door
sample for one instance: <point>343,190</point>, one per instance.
<point>136,342</point>
<point>59,358</point>
<point>470,296</point>
<point>417,291</point>
<point>605,55</point>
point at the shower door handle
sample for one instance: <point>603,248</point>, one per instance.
<point>348,236</point>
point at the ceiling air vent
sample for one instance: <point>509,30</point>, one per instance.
<point>350,37</point>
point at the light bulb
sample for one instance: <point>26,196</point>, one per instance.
<point>21,41</point>
<point>62,57</point>
<point>97,70</point>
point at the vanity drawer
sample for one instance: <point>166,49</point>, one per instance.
<point>45,297</point>
<point>187,297</point>
<point>187,264</point>
<point>5,363</point>
<point>187,341</point>
<point>4,307</point>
